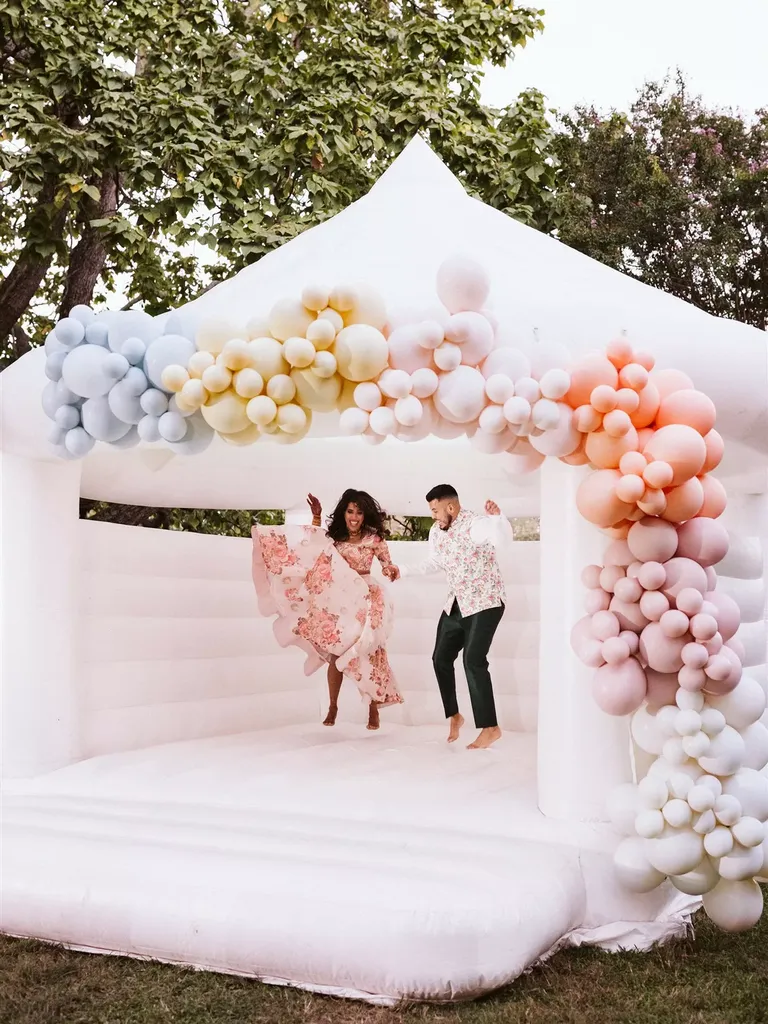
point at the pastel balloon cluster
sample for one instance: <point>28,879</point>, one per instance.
<point>105,384</point>
<point>700,816</point>
<point>650,434</point>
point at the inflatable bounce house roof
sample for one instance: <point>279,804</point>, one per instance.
<point>168,790</point>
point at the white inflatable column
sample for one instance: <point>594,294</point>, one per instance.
<point>38,532</point>
<point>582,752</point>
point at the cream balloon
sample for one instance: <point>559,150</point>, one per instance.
<point>299,352</point>
<point>212,335</point>
<point>248,383</point>
<point>289,319</point>
<point>267,357</point>
<point>261,411</point>
<point>361,352</point>
<point>317,393</point>
<point>324,364</point>
<point>226,412</point>
<point>281,389</point>
<point>322,334</point>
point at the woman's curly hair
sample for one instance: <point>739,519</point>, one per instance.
<point>373,515</point>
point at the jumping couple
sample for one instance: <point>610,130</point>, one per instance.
<point>318,582</point>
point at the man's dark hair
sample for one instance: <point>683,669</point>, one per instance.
<point>443,492</point>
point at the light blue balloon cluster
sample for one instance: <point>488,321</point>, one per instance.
<point>105,384</point>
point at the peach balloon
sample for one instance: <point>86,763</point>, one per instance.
<point>664,653</point>
<point>693,408</point>
<point>630,488</point>
<point>704,540</point>
<point>651,575</point>
<point>653,604</point>
<point>620,689</point>
<point>605,451</point>
<point>682,447</point>
<point>627,400</point>
<point>609,576</point>
<point>658,475</point>
<point>715,447</point>
<point>604,398</point>
<point>644,435</point>
<point>588,373</point>
<point>669,381</point>
<point>652,540</point>
<point>647,407</point>
<point>632,462</point>
<point>633,376</point>
<point>619,531</point>
<point>619,351</point>
<point>577,458</point>
<point>715,498</point>
<point>645,359</point>
<point>652,502</point>
<point>617,423</point>
<point>597,501</point>
<point>684,502</point>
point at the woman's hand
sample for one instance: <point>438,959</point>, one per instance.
<point>391,572</point>
<point>492,509</point>
<point>315,508</point>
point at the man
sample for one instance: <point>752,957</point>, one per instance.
<point>462,544</point>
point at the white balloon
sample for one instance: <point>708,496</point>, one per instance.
<point>368,396</point>
<point>652,793</point>
<point>734,906</point>
<point>545,414</point>
<point>632,867</point>
<point>473,333</point>
<point>727,810</point>
<point>701,798</point>
<point>167,350</point>
<point>555,383</point>
<point>741,863</point>
<point>743,705</point>
<point>695,883</point>
<point>677,813</point>
<point>462,284</point>
<point>649,824</point>
<point>755,739</point>
<point>408,411</point>
<point>382,421</point>
<point>705,822</point>
<point>424,383</point>
<point>750,788</point>
<point>528,388</point>
<point>675,852</point>
<point>494,444</point>
<point>726,753</point>
<point>353,421</point>
<point>499,388</point>
<point>447,356</point>
<point>492,420</point>
<point>460,395</point>
<point>511,362</point>
<point>395,383</point>
<point>749,832</point>
<point>561,439</point>
<point>645,731</point>
<point>719,842</point>
<point>517,410</point>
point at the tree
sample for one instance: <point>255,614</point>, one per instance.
<point>134,128</point>
<point>674,194</point>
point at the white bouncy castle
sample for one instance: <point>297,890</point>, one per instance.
<point>168,788</point>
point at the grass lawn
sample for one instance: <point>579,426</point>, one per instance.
<point>712,979</point>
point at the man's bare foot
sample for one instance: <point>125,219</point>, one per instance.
<point>373,717</point>
<point>330,718</point>
<point>455,728</point>
<point>486,738</point>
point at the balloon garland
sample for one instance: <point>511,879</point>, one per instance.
<point>659,635</point>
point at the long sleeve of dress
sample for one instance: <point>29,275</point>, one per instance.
<point>381,550</point>
<point>496,530</point>
<point>431,563</point>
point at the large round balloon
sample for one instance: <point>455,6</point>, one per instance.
<point>167,350</point>
<point>361,352</point>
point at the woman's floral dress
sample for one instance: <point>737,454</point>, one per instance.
<point>327,603</point>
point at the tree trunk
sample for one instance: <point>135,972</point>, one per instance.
<point>19,287</point>
<point>87,259</point>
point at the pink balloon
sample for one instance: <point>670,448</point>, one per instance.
<point>735,662</point>
<point>615,650</point>
<point>628,591</point>
<point>605,625</point>
<point>473,333</point>
<point>405,352</point>
<point>695,655</point>
<point>723,674</point>
<point>718,668</point>
<point>704,540</point>
<point>652,540</point>
<point>584,645</point>
<point>691,678</point>
<point>590,576</point>
<point>727,613</point>
<point>618,553</point>
<point>631,639</point>
<point>630,615</point>
<point>653,604</point>
<point>620,689</point>
<point>610,575</point>
<point>596,498</point>
<point>683,573</point>
<point>715,645</point>
<point>719,687</point>
<point>703,626</point>
<point>693,408</point>
<point>737,647</point>
<point>652,575</point>
<point>689,601</point>
<point>597,601</point>
<point>633,570</point>
<point>711,577</point>
<point>680,446</point>
<point>669,381</point>
<point>662,688</point>
<point>664,653</point>
<point>674,623</point>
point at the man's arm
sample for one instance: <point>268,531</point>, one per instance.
<point>430,565</point>
<point>492,528</point>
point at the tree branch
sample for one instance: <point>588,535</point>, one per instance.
<point>87,259</point>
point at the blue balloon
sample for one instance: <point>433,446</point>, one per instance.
<point>67,417</point>
<point>87,372</point>
<point>101,422</point>
<point>132,323</point>
<point>148,429</point>
<point>167,350</point>
<point>64,396</point>
<point>56,436</point>
<point>134,350</point>
<point>69,332</point>
<point>136,381</point>
<point>124,403</point>
<point>199,435</point>
<point>82,313</point>
<point>97,334</point>
<point>50,401</point>
<point>78,442</point>
<point>154,402</point>
<point>54,363</point>
<point>117,365</point>
<point>172,427</point>
<point>129,440</point>
<point>52,344</point>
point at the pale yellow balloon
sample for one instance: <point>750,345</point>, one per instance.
<point>299,352</point>
<point>199,363</point>
<point>316,393</point>
<point>261,410</point>
<point>321,333</point>
<point>368,308</point>
<point>257,327</point>
<point>346,399</point>
<point>226,412</point>
<point>289,319</point>
<point>333,318</point>
<point>267,357</point>
<point>361,352</point>
<point>248,383</point>
<point>324,364</point>
<point>213,335</point>
<point>283,437</point>
<point>281,389</point>
<point>291,418</point>
<point>243,437</point>
<point>315,297</point>
<point>236,354</point>
<point>174,377</point>
<point>342,298</point>
<point>184,407</point>
<point>272,429</point>
<point>193,393</point>
<point>216,379</point>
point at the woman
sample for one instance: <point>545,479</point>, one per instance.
<point>319,584</point>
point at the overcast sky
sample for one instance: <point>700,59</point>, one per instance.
<point>602,51</point>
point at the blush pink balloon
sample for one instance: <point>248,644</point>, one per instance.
<point>682,574</point>
<point>615,650</point>
<point>737,647</point>
<point>584,645</point>
<point>689,601</point>
<point>703,626</point>
<point>652,540</point>
<point>674,623</point>
<point>629,614</point>
<point>632,640</point>
<point>664,653</point>
<point>684,501</point>
<point>704,540</point>
<point>662,687</point>
<point>633,570</point>
<point>715,645</point>
<point>628,591</point>
<point>718,668</point>
<point>590,576</point>
<point>680,446</point>
<point>715,498</point>
<point>597,601</point>
<point>711,577</point>
<point>609,577</point>
<point>605,625</point>
<point>653,604</point>
<point>695,655</point>
<point>620,689</point>
<point>473,333</point>
<point>652,575</point>
<point>618,553</point>
<point>692,679</point>
<point>405,352</point>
